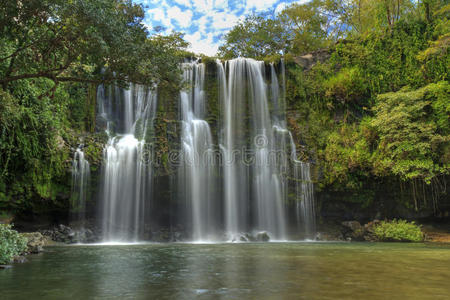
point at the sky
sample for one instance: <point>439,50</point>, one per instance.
<point>204,22</point>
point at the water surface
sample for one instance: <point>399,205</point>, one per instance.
<point>233,271</point>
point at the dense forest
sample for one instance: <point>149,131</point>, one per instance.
<point>367,93</point>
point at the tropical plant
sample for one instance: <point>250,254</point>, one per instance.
<point>11,243</point>
<point>398,231</point>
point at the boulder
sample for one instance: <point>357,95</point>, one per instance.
<point>36,241</point>
<point>250,237</point>
<point>19,259</point>
<point>369,229</point>
<point>353,231</point>
<point>262,236</point>
<point>309,60</point>
<point>5,266</point>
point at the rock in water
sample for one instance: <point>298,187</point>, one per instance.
<point>19,259</point>
<point>5,266</point>
<point>262,236</point>
<point>354,230</point>
<point>36,241</point>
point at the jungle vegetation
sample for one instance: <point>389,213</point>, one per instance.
<point>374,117</point>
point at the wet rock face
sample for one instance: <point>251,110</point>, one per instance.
<point>36,242</point>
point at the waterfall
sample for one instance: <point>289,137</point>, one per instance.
<point>127,173</point>
<point>305,198</point>
<point>249,180</point>
<point>253,188</point>
<point>197,170</point>
<point>304,187</point>
<point>80,183</point>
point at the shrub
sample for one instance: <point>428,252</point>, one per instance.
<point>11,243</point>
<point>398,230</point>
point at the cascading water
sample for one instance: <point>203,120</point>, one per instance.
<point>197,171</point>
<point>127,175</point>
<point>305,198</point>
<point>256,166</point>
<point>304,187</point>
<point>80,182</point>
<point>262,205</point>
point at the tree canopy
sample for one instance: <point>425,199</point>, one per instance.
<point>80,40</point>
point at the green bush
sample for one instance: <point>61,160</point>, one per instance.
<point>11,243</point>
<point>398,230</point>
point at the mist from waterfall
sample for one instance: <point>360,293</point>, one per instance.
<point>127,173</point>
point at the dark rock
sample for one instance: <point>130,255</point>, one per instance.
<point>242,238</point>
<point>250,237</point>
<point>370,231</point>
<point>309,60</point>
<point>36,241</point>
<point>5,266</point>
<point>20,259</point>
<point>352,225</point>
<point>262,236</point>
<point>353,230</point>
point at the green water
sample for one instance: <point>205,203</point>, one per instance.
<point>233,271</point>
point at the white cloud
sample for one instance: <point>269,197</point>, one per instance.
<point>202,23</point>
<point>183,18</point>
<point>223,20</point>
<point>183,2</point>
<point>202,45</point>
<point>158,14</point>
<point>260,4</point>
<point>220,4</point>
<point>203,6</point>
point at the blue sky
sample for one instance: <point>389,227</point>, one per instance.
<point>204,21</point>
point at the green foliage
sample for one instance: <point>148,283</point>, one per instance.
<point>83,41</point>
<point>308,26</point>
<point>347,155</point>
<point>412,134</point>
<point>347,86</point>
<point>31,150</point>
<point>398,231</point>
<point>11,243</point>
<point>53,54</point>
<point>376,114</point>
<point>257,36</point>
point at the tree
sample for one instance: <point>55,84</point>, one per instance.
<point>307,25</point>
<point>80,40</point>
<point>257,36</point>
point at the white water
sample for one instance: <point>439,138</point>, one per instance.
<point>253,189</point>
<point>304,187</point>
<point>259,172</point>
<point>80,182</point>
<point>127,173</point>
<point>197,171</point>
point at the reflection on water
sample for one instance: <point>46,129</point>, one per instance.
<point>233,271</point>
